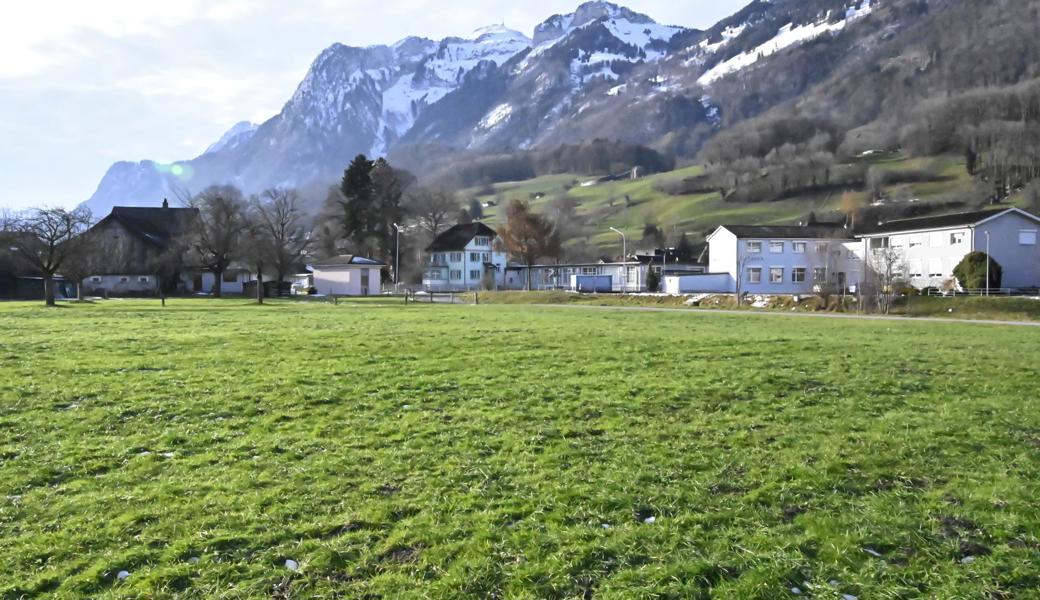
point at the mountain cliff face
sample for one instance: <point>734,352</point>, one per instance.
<point>603,71</point>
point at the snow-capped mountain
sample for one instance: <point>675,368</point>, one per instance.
<point>602,71</point>
<point>239,133</point>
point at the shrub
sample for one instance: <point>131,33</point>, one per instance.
<point>653,281</point>
<point>971,272</point>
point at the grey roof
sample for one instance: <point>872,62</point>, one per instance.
<point>156,226</point>
<point>347,260</point>
<point>933,222</point>
<point>797,232</point>
<point>459,236</point>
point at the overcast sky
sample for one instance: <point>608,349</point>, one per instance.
<point>84,83</point>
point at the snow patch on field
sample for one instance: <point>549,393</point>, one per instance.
<point>787,36</point>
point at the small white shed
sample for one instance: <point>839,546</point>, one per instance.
<point>348,275</point>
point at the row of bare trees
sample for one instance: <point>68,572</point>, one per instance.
<point>269,232</point>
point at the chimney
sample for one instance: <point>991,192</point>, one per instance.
<point>165,203</point>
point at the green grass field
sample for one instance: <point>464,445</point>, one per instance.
<point>511,452</point>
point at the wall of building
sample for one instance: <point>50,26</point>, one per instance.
<point>347,281</point>
<point>840,263</point>
<point>708,283</point>
<point>629,278</point>
<point>464,269</point>
<point>121,285</point>
<point>1019,262</point>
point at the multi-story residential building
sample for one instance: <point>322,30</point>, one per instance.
<point>465,257</point>
<point>929,248</point>
<point>766,260</point>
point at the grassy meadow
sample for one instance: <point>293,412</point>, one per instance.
<point>511,452</point>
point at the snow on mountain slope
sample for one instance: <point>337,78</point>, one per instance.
<point>438,75</point>
<point>239,133</point>
<point>788,35</point>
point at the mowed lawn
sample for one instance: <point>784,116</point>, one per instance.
<point>512,452</point>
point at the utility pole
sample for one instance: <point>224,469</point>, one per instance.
<point>397,255</point>
<point>987,263</point>
<point>624,259</point>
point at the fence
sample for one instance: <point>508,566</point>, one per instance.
<point>1005,292</point>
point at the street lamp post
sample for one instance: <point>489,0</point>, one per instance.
<point>624,259</point>
<point>987,263</point>
<point>397,255</point>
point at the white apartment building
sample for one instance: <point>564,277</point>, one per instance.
<point>931,247</point>
<point>767,260</point>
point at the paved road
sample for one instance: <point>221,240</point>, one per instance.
<point>820,315</point>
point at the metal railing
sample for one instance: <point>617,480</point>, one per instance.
<point>1005,292</point>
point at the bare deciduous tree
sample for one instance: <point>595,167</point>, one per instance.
<point>277,235</point>
<point>432,208</point>
<point>218,230</point>
<point>886,272</point>
<point>45,238</point>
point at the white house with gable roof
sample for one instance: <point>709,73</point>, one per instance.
<point>465,258</point>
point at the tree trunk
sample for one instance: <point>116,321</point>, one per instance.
<point>79,290</point>
<point>218,279</point>
<point>259,284</point>
<point>48,289</point>
<point>529,276</point>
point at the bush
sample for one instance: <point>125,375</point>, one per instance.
<point>971,272</point>
<point>653,281</point>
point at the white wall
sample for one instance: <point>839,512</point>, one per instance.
<point>463,267</point>
<point>708,283</point>
<point>1020,263</point>
<point>731,256</point>
<point>346,281</point>
<point>931,256</point>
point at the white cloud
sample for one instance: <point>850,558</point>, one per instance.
<point>85,82</point>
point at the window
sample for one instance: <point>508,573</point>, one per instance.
<point>474,257</point>
<point>124,280</point>
<point>776,247</point>
<point>776,275</point>
<point>456,274</point>
<point>916,270</point>
<point>915,241</point>
<point>754,247</point>
<point>440,258</point>
<point>956,238</point>
<point>798,275</point>
<point>879,243</point>
<point>590,270</point>
<point>821,248</point>
<point>935,267</point>
<point>481,241</point>
<point>754,275</point>
<point>474,274</point>
<point>798,247</point>
<point>142,279</point>
<point>95,280</point>
<point>1027,237</point>
<point>456,257</point>
<point>230,277</point>
<point>819,275</point>
<point>486,257</point>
